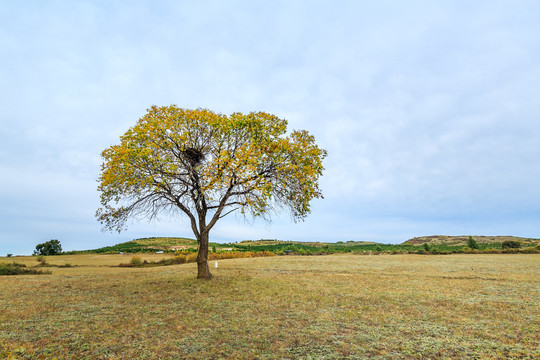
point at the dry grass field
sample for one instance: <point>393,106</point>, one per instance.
<point>288,307</point>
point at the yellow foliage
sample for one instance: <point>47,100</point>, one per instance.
<point>207,165</point>
<point>202,162</point>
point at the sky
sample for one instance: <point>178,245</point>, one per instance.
<point>429,110</point>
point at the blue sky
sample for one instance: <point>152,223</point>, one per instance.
<point>429,110</point>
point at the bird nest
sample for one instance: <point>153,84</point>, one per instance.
<point>193,156</point>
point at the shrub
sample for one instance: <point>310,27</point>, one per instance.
<point>19,269</point>
<point>9,255</point>
<point>378,248</point>
<point>66,265</point>
<point>426,247</point>
<point>136,260</point>
<point>471,243</point>
<point>511,244</point>
<point>181,258</point>
<point>510,251</point>
<point>531,250</point>
<point>41,259</point>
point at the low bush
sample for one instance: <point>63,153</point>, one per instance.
<point>510,251</point>
<point>41,259</point>
<point>66,265</point>
<point>180,258</point>
<point>19,269</point>
<point>136,260</point>
<point>511,244</point>
<point>530,250</point>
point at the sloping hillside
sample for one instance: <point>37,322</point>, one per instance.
<point>462,240</point>
<point>172,243</point>
<point>265,242</point>
<point>148,244</point>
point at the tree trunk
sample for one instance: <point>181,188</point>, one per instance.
<point>203,271</point>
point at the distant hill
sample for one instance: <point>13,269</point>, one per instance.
<point>462,240</point>
<point>173,243</point>
<point>264,242</point>
<point>441,244</point>
<point>148,244</point>
<point>156,244</point>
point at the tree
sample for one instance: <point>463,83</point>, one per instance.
<point>51,247</point>
<point>207,165</point>
<point>472,243</point>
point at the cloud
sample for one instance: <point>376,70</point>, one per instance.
<point>428,110</point>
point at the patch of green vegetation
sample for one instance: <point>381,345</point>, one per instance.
<point>511,244</point>
<point>471,243</point>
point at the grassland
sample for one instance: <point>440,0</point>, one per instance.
<point>290,307</point>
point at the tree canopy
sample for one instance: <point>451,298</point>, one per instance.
<point>206,165</point>
<point>52,247</point>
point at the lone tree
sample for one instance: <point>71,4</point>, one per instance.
<point>51,247</point>
<point>472,243</point>
<point>207,165</point>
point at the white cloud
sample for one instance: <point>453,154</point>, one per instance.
<point>428,110</point>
